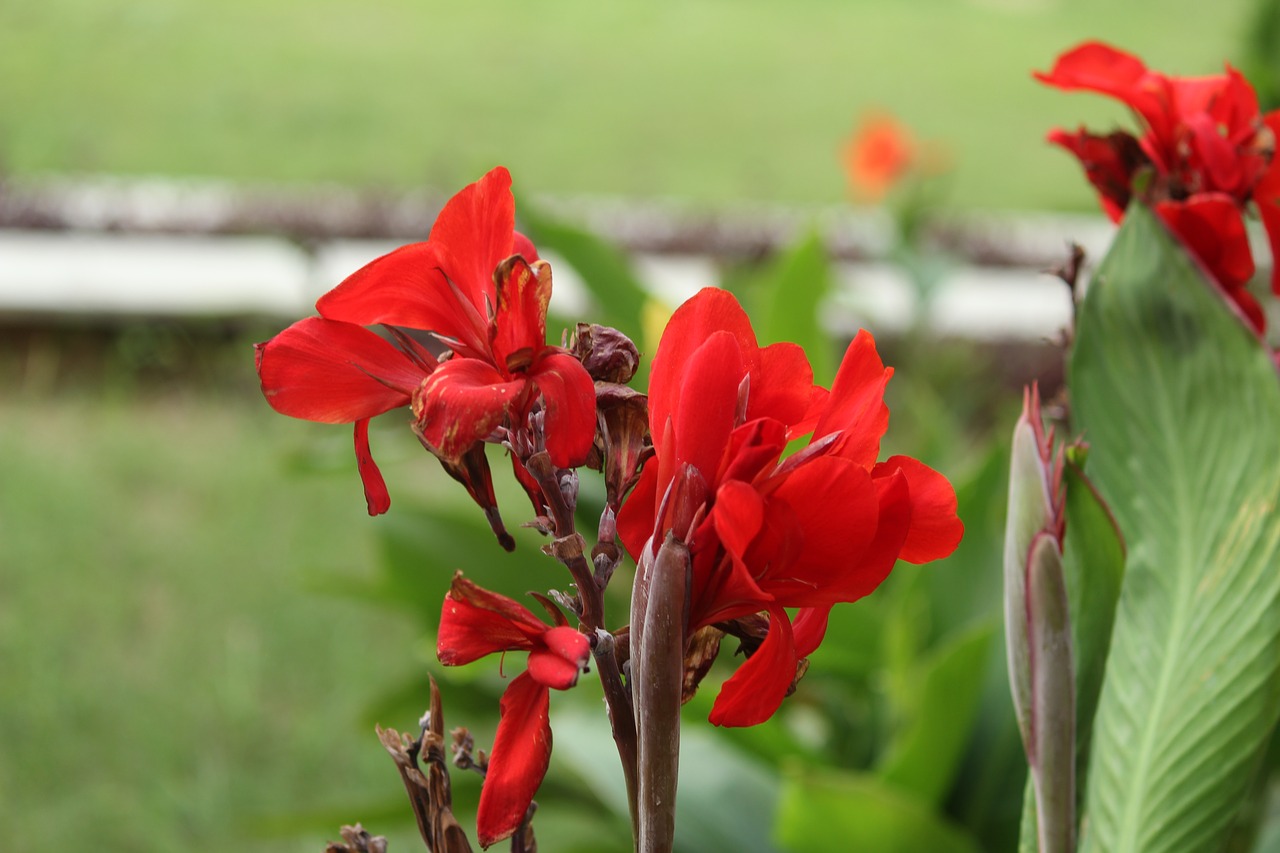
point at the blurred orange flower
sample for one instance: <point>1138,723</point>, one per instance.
<point>880,153</point>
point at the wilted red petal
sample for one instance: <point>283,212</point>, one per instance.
<point>855,406</point>
<point>518,762</point>
<point>565,652</point>
<point>935,529</point>
<point>1109,163</point>
<point>753,693</point>
<point>524,292</point>
<point>569,395</point>
<point>407,288</point>
<point>472,471</point>
<point>334,373</point>
<point>375,488</point>
<point>475,232</point>
<point>462,403</point>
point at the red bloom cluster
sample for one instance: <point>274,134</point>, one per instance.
<point>1205,152</point>
<point>478,288</point>
<point>822,526</point>
<point>476,623</point>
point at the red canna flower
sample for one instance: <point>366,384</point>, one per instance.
<point>477,286</point>
<point>1204,153</point>
<point>822,526</point>
<point>476,623</point>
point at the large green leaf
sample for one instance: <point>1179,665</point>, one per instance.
<point>1181,407</point>
<point>832,812</point>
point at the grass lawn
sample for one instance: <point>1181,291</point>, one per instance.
<point>708,99</point>
<point>170,679</point>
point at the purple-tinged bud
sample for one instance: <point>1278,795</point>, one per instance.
<point>607,354</point>
<point>623,417</point>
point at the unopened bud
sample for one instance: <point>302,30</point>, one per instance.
<point>607,354</point>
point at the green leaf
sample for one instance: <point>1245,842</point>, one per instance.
<point>605,270</point>
<point>790,291</point>
<point>1093,561</point>
<point>833,812</point>
<point>1181,407</point>
<point>924,758</point>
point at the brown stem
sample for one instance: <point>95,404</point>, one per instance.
<point>569,548</point>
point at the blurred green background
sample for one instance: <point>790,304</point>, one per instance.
<point>195,637</point>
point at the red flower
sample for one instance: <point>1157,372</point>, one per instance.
<point>478,287</point>
<point>822,526</point>
<point>476,623</point>
<point>1205,149</point>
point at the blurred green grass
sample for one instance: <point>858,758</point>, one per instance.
<point>712,100</point>
<point>169,681</point>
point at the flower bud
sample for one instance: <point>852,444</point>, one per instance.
<point>607,354</point>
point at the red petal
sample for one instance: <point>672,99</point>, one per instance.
<point>569,395</point>
<point>706,404</point>
<point>935,529</point>
<point>1109,163</point>
<point>710,310</point>
<point>754,448</point>
<point>518,762</point>
<point>727,590</point>
<point>891,530</point>
<point>475,232</point>
<point>462,403</point>
<point>1211,227</point>
<point>558,665</point>
<point>783,387</point>
<point>407,288</point>
<point>476,622</point>
<point>856,406</point>
<point>809,628</point>
<point>523,246</point>
<point>1267,195</point>
<point>832,511</point>
<point>754,692</point>
<point>1097,67</point>
<point>334,373</point>
<point>637,516</point>
<point>375,488</point>
<point>521,325</point>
